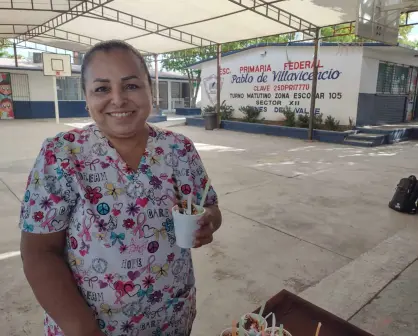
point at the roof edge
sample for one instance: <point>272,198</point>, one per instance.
<point>20,68</point>
<point>298,44</point>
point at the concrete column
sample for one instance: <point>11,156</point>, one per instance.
<point>314,85</point>
<point>157,85</point>
<point>169,96</point>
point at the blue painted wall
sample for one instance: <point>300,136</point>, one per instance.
<point>291,132</point>
<point>68,109</point>
<point>46,109</point>
<point>376,109</point>
<point>188,111</point>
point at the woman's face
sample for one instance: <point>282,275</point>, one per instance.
<point>118,94</point>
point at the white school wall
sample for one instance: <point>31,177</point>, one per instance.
<point>337,97</point>
<point>372,56</point>
<point>40,86</point>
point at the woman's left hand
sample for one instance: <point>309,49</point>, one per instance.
<point>209,223</point>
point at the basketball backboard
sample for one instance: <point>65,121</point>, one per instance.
<point>57,65</point>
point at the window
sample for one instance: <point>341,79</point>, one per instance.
<point>393,79</point>
<point>69,88</point>
<point>175,89</point>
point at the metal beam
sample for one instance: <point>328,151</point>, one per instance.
<point>278,15</point>
<point>44,48</point>
<point>405,6</point>
<point>75,12</point>
<point>68,36</point>
<point>33,6</point>
<point>205,20</point>
<point>32,10</point>
<point>97,9</point>
<point>150,27</point>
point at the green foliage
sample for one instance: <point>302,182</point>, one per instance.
<point>227,111</point>
<point>251,113</point>
<point>303,120</point>
<point>332,124</point>
<point>4,44</point>
<point>290,117</point>
<point>347,33</point>
<point>318,120</point>
<point>209,109</point>
<point>343,29</point>
<point>404,32</point>
<point>179,61</point>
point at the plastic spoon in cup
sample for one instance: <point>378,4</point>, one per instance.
<point>234,328</point>
<point>260,314</point>
<point>205,193</point>
<point>274,325</point>
<point>281,330</point>
<point>189,204</point>
<point>241,327</point>
<point>318,329</point>
<point>177,193</point>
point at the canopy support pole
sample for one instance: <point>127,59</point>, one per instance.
<point>314,84</point>
<point>218,82</point>
<point>157,86</point>
<point>15,54</point>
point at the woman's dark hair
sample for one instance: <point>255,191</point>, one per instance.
<point>108,46</point>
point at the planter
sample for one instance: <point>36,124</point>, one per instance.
<point>211,121</point>
<point>290,132</point>
<point>188,111</point>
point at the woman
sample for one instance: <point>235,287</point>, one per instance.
<point>98,243</point>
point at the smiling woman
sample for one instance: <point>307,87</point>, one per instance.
<point>117,85</point>
<point>109,265</point>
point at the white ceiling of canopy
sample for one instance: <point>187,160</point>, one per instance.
<point>158,26</point>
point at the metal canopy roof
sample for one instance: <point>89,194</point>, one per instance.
<point>158,26</point>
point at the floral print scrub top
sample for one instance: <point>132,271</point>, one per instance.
<point>120,233</point>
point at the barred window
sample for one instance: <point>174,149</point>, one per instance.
<point>393,78</point>
<point>69,88</point>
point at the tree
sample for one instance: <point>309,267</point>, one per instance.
<point>404,33</point>
<point>180,60</point>
<point>4,44</point>
<point>347,33</point>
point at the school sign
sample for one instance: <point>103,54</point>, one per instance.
<point>273,78</point>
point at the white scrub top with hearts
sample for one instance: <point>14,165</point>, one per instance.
<point>121,245</point>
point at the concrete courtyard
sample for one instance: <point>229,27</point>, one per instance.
<point>311,218</point>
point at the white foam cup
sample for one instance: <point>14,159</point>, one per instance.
<point>185,226</point>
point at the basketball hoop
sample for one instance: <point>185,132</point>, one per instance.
<point>57,73</point>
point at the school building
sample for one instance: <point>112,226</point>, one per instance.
<point>369,84</point>
<point>25,93</point>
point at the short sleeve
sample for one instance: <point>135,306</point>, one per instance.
<point>199,175</point>
<point>48,202</point>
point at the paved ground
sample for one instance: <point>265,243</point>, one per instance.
<point>308,217</point>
